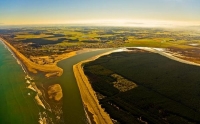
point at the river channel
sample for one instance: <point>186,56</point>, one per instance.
<point>73,109</point>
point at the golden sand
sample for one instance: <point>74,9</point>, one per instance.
<point>55,92</point>
<point>88,95</point>
<point>50,69</point>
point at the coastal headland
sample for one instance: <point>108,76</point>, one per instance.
<point>49,69</point>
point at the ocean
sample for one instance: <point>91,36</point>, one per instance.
<point>18,105</point>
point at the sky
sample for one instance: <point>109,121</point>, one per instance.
<point>124,12</point>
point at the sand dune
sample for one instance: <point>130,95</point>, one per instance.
<point>50,69</point>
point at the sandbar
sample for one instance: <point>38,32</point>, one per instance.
<point>88,95</point>
<point>50,69</point>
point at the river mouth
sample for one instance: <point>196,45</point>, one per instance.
<point>70,106</point>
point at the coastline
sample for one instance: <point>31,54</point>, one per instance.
<point>49,69</point>
<point>89,99</point>
<point>167,54</point>
<point>30,84</point>
<point>88,94</point>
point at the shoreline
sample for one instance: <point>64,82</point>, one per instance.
<point>88,96</point>
<point>30,84</point>
<point>166,54</point>
<point>90,102</point>
<point>49,69</point>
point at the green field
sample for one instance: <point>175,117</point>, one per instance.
<point>165,92</point>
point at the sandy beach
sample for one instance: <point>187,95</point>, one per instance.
<point>170,55</point>
<point>88,95</point>
<point>50,69</point>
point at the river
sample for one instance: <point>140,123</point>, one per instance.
<point>17,101</point>
<point>18,104</point>
<point>72,104</point>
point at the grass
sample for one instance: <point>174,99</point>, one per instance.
<point>65,43</point>
<point>155,43</point>
<point>30,36</point>
<point>142,37</point>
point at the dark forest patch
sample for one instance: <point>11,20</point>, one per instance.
<point>42,41</point>
<point>167,92</point>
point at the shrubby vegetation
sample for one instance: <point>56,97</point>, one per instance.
<point>41,41</point>
<point>167,91</point>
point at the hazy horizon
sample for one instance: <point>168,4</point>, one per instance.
<point>148,13</point>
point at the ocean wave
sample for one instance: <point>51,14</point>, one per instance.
<point>18,61</point>
<point>42,118</point>
<point>39,101</point>
<point>27,77</point>
<point>34,88</point>
<point>28,82</point>
<point>31,85</point>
